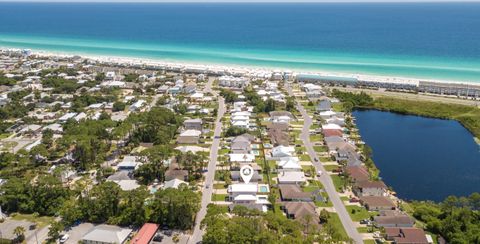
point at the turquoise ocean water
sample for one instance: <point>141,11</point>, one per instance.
<point>420,40</point>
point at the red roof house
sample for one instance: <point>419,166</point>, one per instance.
<point>145,234</point>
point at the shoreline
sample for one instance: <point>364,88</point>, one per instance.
<point>247,69</point>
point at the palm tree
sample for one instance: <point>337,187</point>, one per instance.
<point>176,238</point>
<point>19,232</point>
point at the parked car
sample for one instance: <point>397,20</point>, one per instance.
<point>353,199</point>
<point>319,173</point>
<point>64,238</point>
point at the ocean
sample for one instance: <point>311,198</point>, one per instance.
<point>420,40</point>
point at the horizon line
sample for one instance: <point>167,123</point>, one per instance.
<point>239,1</point>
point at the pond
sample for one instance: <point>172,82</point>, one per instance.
<point>421,158</point>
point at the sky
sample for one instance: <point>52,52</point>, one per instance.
<point>273,1</point>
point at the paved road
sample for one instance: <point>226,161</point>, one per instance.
<point>207,192</point>
<point>325,179</point>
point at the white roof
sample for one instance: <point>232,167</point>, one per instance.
<point>81,116</point>
<point>291,177</point>
<point>331,127</point>
<point>245,198</point>
<point>175,183</point>
<point>282,151</point>
<point>107,234</point>
<point>128,162</point>
<point>54,127</point>
<point>239,118</point>
<point>191,133</point>
<point>127,185</point>
<point>67,116</point>
<point>327,113</point>
<point>193,149</point>
<point>290,163</point>
<point>197,95</point>
<point>241,157</point>
<point>243,188</point>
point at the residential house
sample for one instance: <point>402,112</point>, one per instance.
<point>193,124</point>
<point>291,177</point>
<point>324,105</point>
<point>129,163</point>
<point>377,203</point>
<point>282,151</point>
<point>106,234</point>
<point>393,218</point>
<point>174,172</point>
<point>249,195</point>
<point>242,144</point>
<point>293,193</point>
<point>189,137</point>
<point>406,235</point>
<point>300,211</point>
<point>241,157</point>
<point>174,183</point>
<point>358,173</point>
<point>145,234</point>
<point>369,188</point>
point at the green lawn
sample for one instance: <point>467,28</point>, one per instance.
<point>369,242</point>
<point>325,159</point>
<point>331,167</point>
<point>315,138</point>
<point>219,197</point>
<point>4,135</point>
<point>219,186</point>
<point>304,157</point>
<point>223,151</point>
<point>344,198</point>
<point>358,213</point>
<point>338,182</point>
<point>337,224</point>
<point>320,148</point>
<point>337,107</point>
<point>41,221</point>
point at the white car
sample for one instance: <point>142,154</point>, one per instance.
<point>64,238</point>
<point>319,173</point>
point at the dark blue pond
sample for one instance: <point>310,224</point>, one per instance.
<point>422,158</point>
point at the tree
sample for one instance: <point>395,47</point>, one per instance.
<point>19,232</point>
<point>176,238</point>
<point>324,216</point>
<point>229,96</point>
<point>100,77</point>
<point>118,106</point>
<point>54,231</point>
<point>235,131</point>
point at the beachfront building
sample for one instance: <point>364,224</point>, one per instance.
<point>231,81</point>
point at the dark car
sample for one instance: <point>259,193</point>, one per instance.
<point>168,233</point>
<point>158,238</point>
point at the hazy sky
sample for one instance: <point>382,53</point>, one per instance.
<point>240,1</point>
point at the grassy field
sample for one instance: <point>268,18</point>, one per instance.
<point>338,182</point>
<point>218,197</point>
<point>41,221</point>
<point>320,148</point>
<point>305,157</point>
<point>335,220</point>
<point>315,138</point>
<point>330,167</point>
<point>358,213</point>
